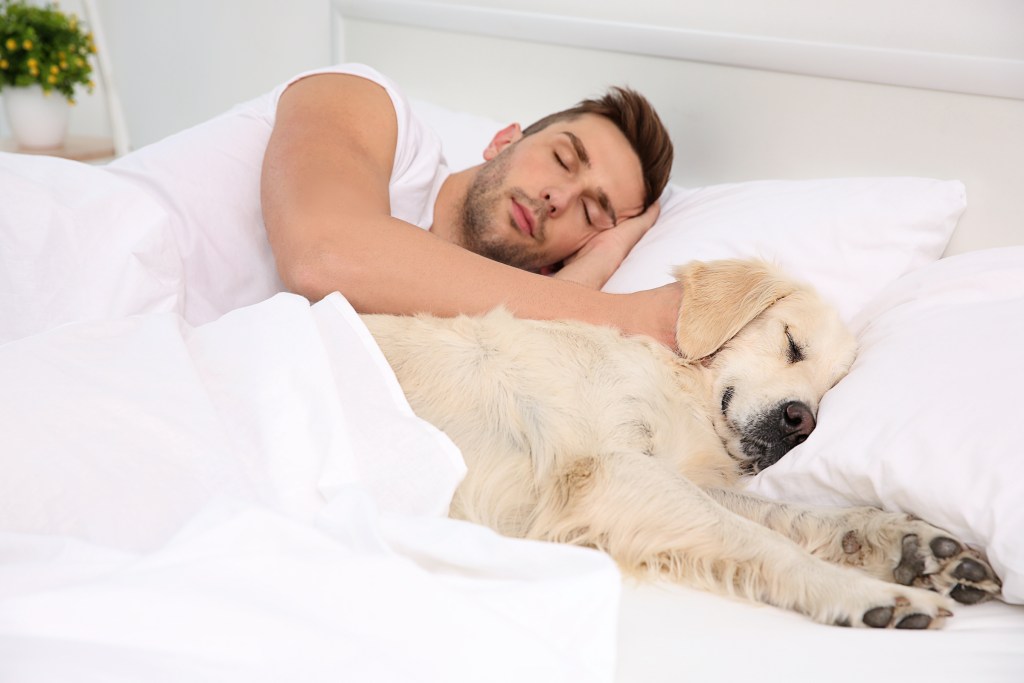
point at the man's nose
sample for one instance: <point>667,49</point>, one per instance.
<point>558,199</point>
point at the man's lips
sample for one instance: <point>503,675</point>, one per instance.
<point>523,218</point>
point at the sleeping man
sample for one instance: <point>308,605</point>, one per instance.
<point>241,422</point>
<point>330,183</point>
<point>349,174</point>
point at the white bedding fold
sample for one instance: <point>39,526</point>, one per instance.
<point>78,243</point>
<point>252,499</point>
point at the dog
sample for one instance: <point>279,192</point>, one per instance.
<point>576,433</point>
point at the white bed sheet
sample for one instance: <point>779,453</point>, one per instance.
<point>672,633</point>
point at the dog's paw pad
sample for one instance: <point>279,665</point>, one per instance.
<point>971,569</point>
<point>878,617</point>
<point>969,595</point>
<point>967,578</point>
<point>906,609</point>
<point>944,547</point>
<point>912,562</point>
<point>915,621</point>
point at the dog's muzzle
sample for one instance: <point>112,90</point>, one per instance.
<point>774,433</point>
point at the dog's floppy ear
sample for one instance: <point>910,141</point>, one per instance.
<point>719,298</point>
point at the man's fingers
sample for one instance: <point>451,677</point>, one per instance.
<point>608,248</point>
<point>639,225</point>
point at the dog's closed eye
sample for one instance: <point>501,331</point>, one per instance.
<point>795,352</point>
<point>727,399</point>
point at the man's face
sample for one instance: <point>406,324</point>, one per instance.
<point>540,198</point>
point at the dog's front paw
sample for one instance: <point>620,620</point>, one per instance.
<point>932,559</point>
<point>887,606</point>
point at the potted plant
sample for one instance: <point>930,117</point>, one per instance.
<point>44,55</point>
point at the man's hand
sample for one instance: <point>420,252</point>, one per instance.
<point>592,265</point>
<point>656,313</point>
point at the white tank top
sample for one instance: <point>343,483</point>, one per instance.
<point>208,180</point>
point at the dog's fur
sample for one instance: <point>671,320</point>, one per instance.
<point>576,433</point>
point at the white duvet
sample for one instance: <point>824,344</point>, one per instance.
<point>250,499</point>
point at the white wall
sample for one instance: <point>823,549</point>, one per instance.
<point>179,62</point>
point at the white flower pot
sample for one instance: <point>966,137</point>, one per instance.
<point>38,120</point>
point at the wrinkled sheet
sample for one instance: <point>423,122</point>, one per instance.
<point>252,499</point>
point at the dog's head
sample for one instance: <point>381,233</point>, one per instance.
<point>769,348</point>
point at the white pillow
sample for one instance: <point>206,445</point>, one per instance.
<point>849,237</point>
<point>464,136</point>
<point>929,419</point>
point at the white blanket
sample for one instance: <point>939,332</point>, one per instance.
<point>247,500</point>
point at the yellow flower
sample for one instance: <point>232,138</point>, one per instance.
<point>54,69</point>
<point>12,44</point>
<point>52,79</point>
<point>4,64</point>
<point>27,44</point>
<point>63,64</point>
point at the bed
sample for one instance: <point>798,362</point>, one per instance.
<point>199,490</point>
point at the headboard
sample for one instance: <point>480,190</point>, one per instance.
<point>739,107</point>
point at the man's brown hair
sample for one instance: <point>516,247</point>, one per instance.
<point>635,117</point>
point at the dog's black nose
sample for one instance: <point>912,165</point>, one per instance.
<point>797,422</point>
<point>775,432</point>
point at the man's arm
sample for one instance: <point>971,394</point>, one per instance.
<point>325,205</point>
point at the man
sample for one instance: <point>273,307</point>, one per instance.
<point>572,190</point>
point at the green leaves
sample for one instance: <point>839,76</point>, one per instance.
<point>44,46</point>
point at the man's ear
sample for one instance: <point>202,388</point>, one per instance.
<point>720,297</point>
<point>502,139</point>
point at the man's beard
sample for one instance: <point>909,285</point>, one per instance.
<point>480,209</point>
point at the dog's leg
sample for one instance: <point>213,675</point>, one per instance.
<point>891,546</point>
<point>659,524</point>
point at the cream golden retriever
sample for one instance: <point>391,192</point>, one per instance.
<point>578,434</point>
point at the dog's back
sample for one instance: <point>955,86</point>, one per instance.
<point>524,399</point>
